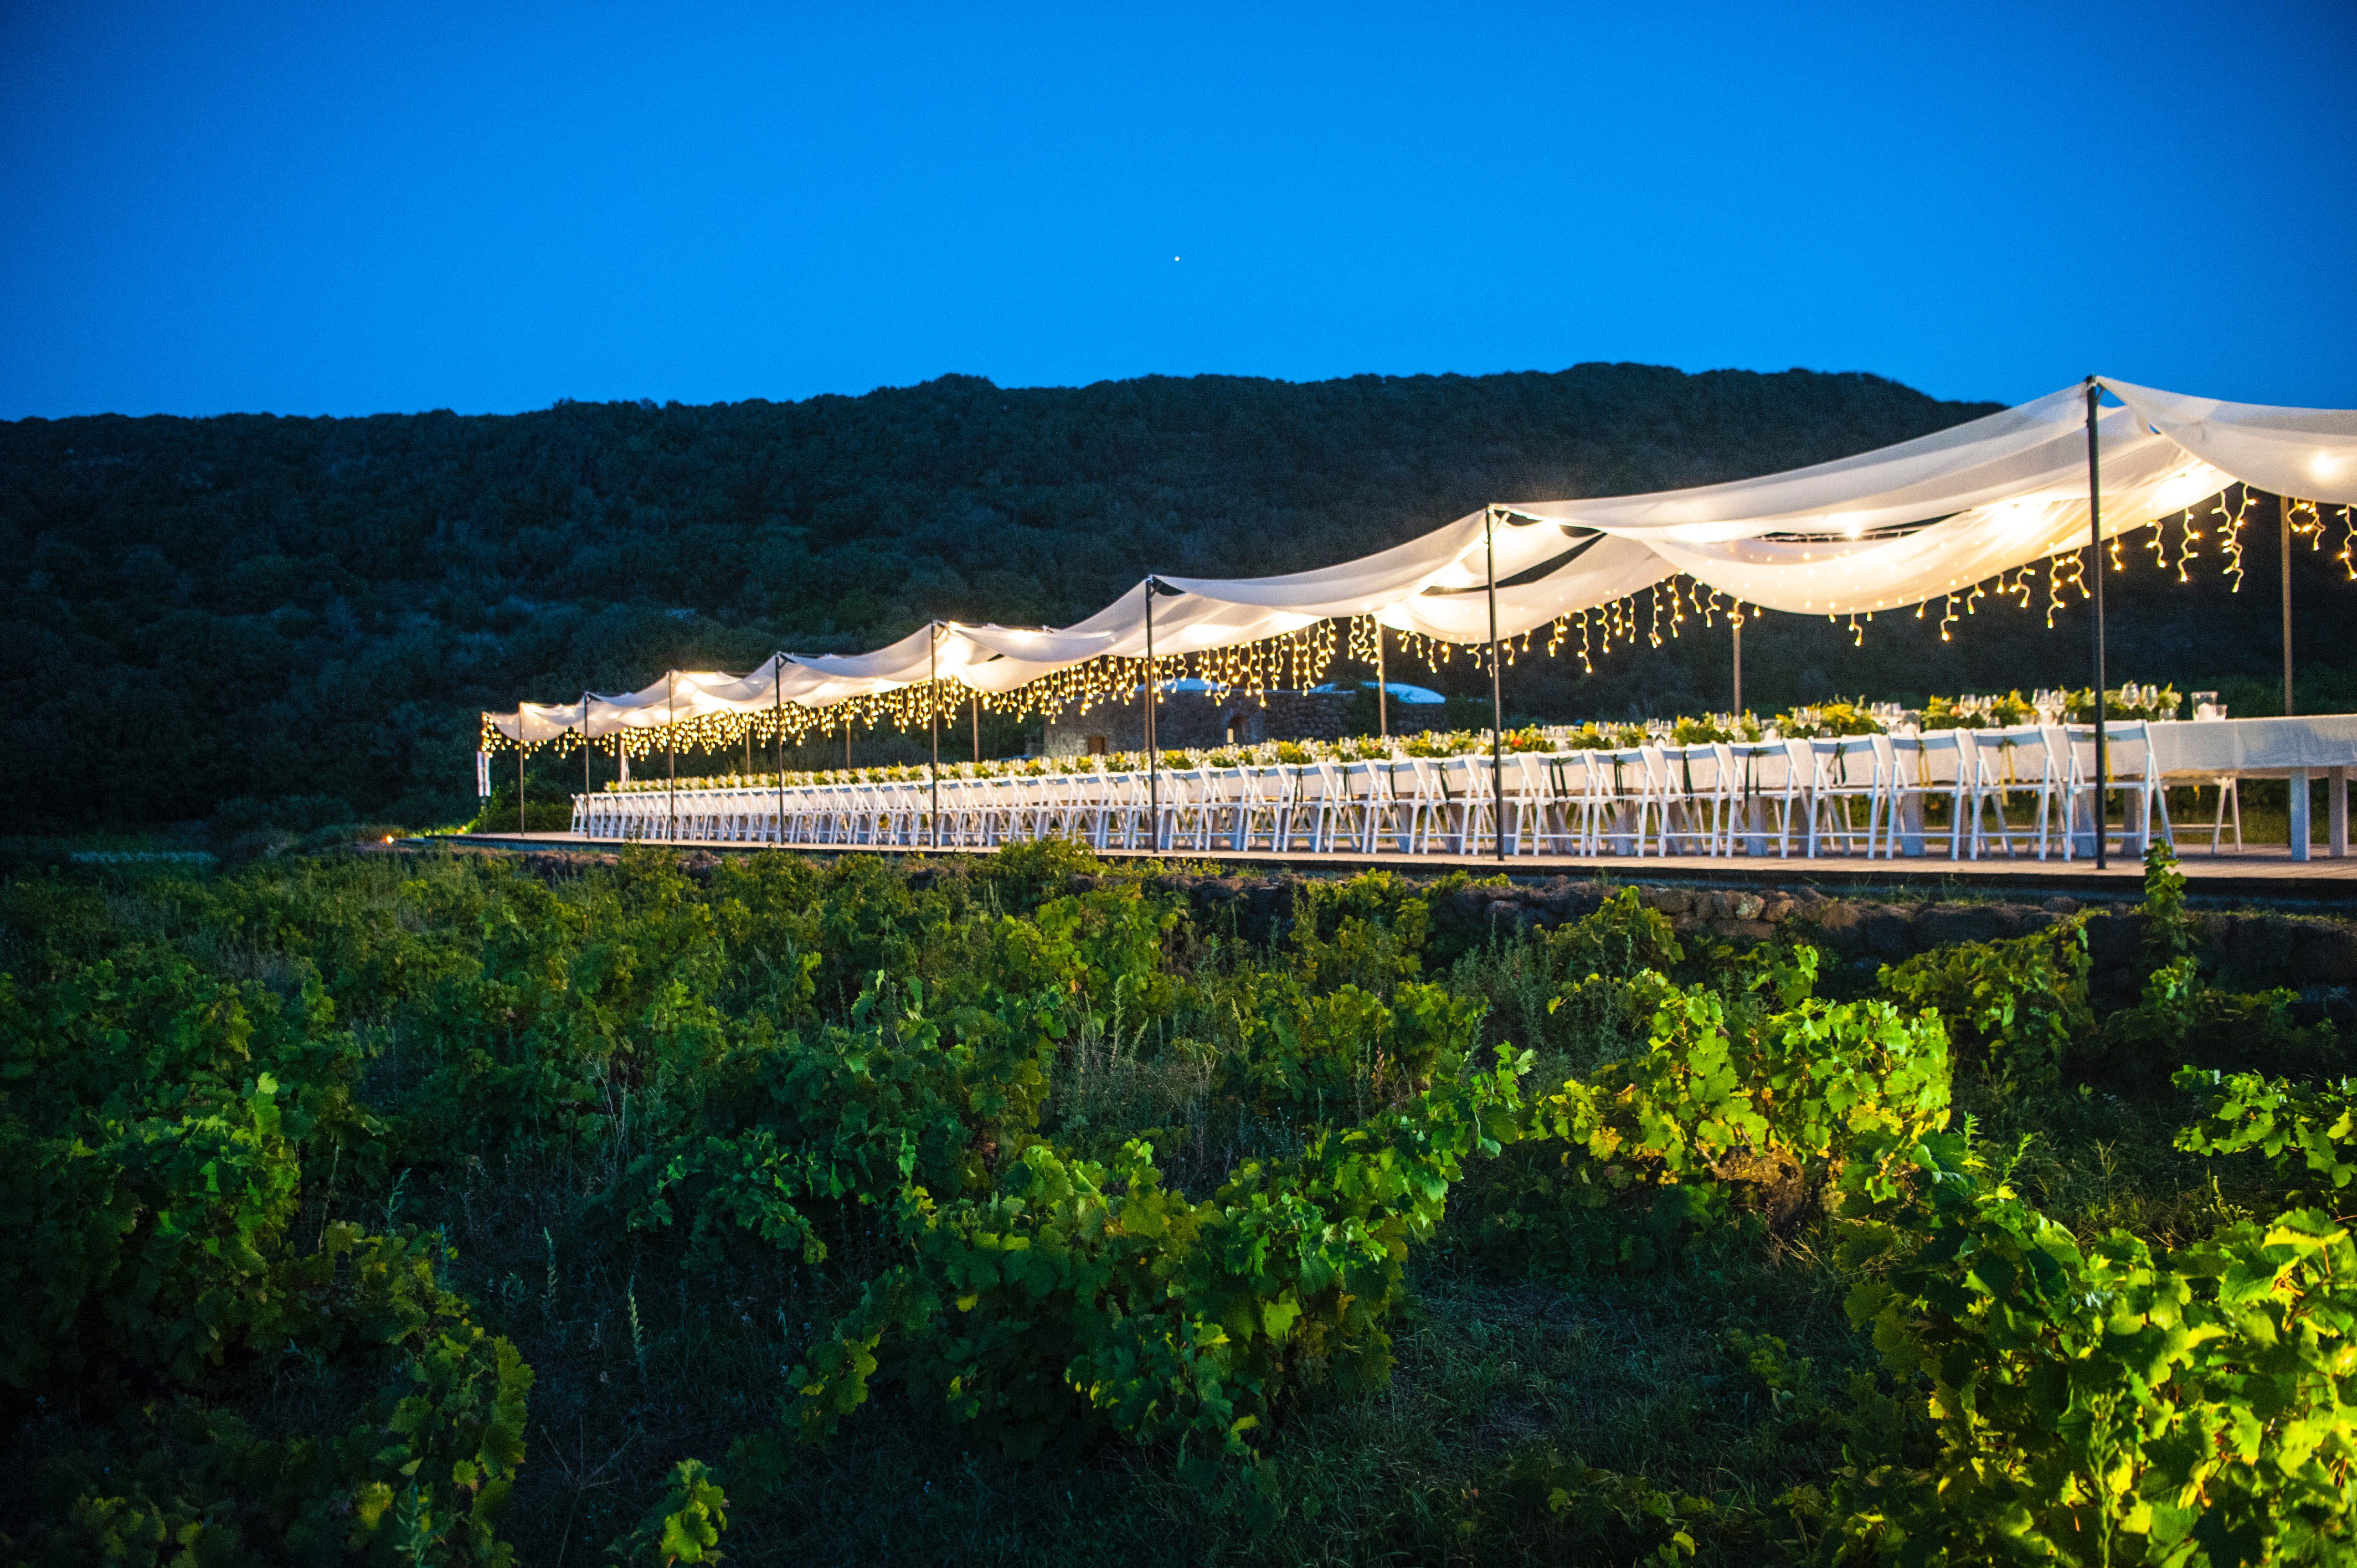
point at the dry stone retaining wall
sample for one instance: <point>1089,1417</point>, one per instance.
<point>2257,949</point>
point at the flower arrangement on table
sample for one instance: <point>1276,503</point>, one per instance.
<point>1970,711</point>
<point>1821,720</point>
<point>1804,723</point>
<point>2128,702</point>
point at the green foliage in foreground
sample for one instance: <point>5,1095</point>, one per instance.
<point>429,1212</point>
<point>2112,1402</point>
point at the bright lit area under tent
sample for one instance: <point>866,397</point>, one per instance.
<point>2012,505</point>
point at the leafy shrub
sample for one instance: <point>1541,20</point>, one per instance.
<point>684,1527</point>
<point>1370,931</point>
<point>1738,1104</point>
<point>2106,1402</point>
<point>2305,1132</point>
<point>2018,1007</point>
<point>2180,1018</point>
<point>1076,1295</point>
<point>1770,1094</point>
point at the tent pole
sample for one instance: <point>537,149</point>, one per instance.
<point>671,745</point>
<point>2283,534</point>
<point>1497,690</point>
<point>2096,549</point>
<point>2295,783</point>
<point>977,726</point>
<point>1153,755</point>
<point>933,709</point>
<point>1737,618</point>
<point>778,717</point>
<point>585,753</point>
<point>1383,696</point>
<point>519,772</point>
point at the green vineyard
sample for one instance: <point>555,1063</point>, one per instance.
<point>431,1210</point>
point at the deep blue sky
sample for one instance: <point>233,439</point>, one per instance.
<point>348,209</point>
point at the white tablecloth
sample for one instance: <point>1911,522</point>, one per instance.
<point>2256,748</point>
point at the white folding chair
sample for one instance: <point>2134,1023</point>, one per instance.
<point>1326,797</point>
<point>1845,771</point>
<point>1358,804</point>
<point>1768,783</point>
<point>1452,811</point>
<point>1183,809</point>
<point>2004,763</point>
<point>1640,801</point>
<point>1700,782</point>
<point>1934,766</point>
<point>1411,807</point>
<point>2229,793</point>
<point>2131,773</point>
<point>1485,782</point>
<point>1583,781</point>
<point>1537,824</point>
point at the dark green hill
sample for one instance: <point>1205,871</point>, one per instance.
<point>199,610</point>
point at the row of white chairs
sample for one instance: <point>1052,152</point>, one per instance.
<point>2022,791</point>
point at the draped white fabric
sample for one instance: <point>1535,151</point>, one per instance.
<point>1598,570</point>
<point>1879,530</point>
<point>1843,575</point>
<point>2309,453</point>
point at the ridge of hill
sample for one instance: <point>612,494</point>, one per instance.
<point>252,607</point>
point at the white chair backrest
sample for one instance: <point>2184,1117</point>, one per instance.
<point>2128,745</point>
<point>1763,767</point>
<point>1698,770</point>
<point>1627,771</point>
<point>1939,759</point>
<point>1846,761</point>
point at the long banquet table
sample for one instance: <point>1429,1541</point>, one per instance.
<point>1810,798</point>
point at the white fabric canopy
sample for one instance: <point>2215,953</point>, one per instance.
<point>1603,570</point>
<point>2306,453</point>
<point>1879,530</point>
<point>1983,460</point>
<point>1842,575</point>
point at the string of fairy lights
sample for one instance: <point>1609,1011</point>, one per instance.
<point>1294,660</point>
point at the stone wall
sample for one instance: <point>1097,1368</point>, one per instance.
<point>2312,954</point>
<point>2308,953</point>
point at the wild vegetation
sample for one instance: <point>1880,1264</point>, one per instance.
<point>288,624</point>
<point>421,1209</point>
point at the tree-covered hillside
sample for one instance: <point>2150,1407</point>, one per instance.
<point>252,607</point>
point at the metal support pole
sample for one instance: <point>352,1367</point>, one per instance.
<point>519,770</point>
<point>1382,688</point>
<point>778,716</point>
<point>671,745</point>
<point>2095,547</point>
<point>2295,783</point>
<point>1153,753</point>
<point>933,709</point>
<point>1736,620</point>
<point>2283,534</point>
<point>977,726</point>
<point>1497,689</point>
